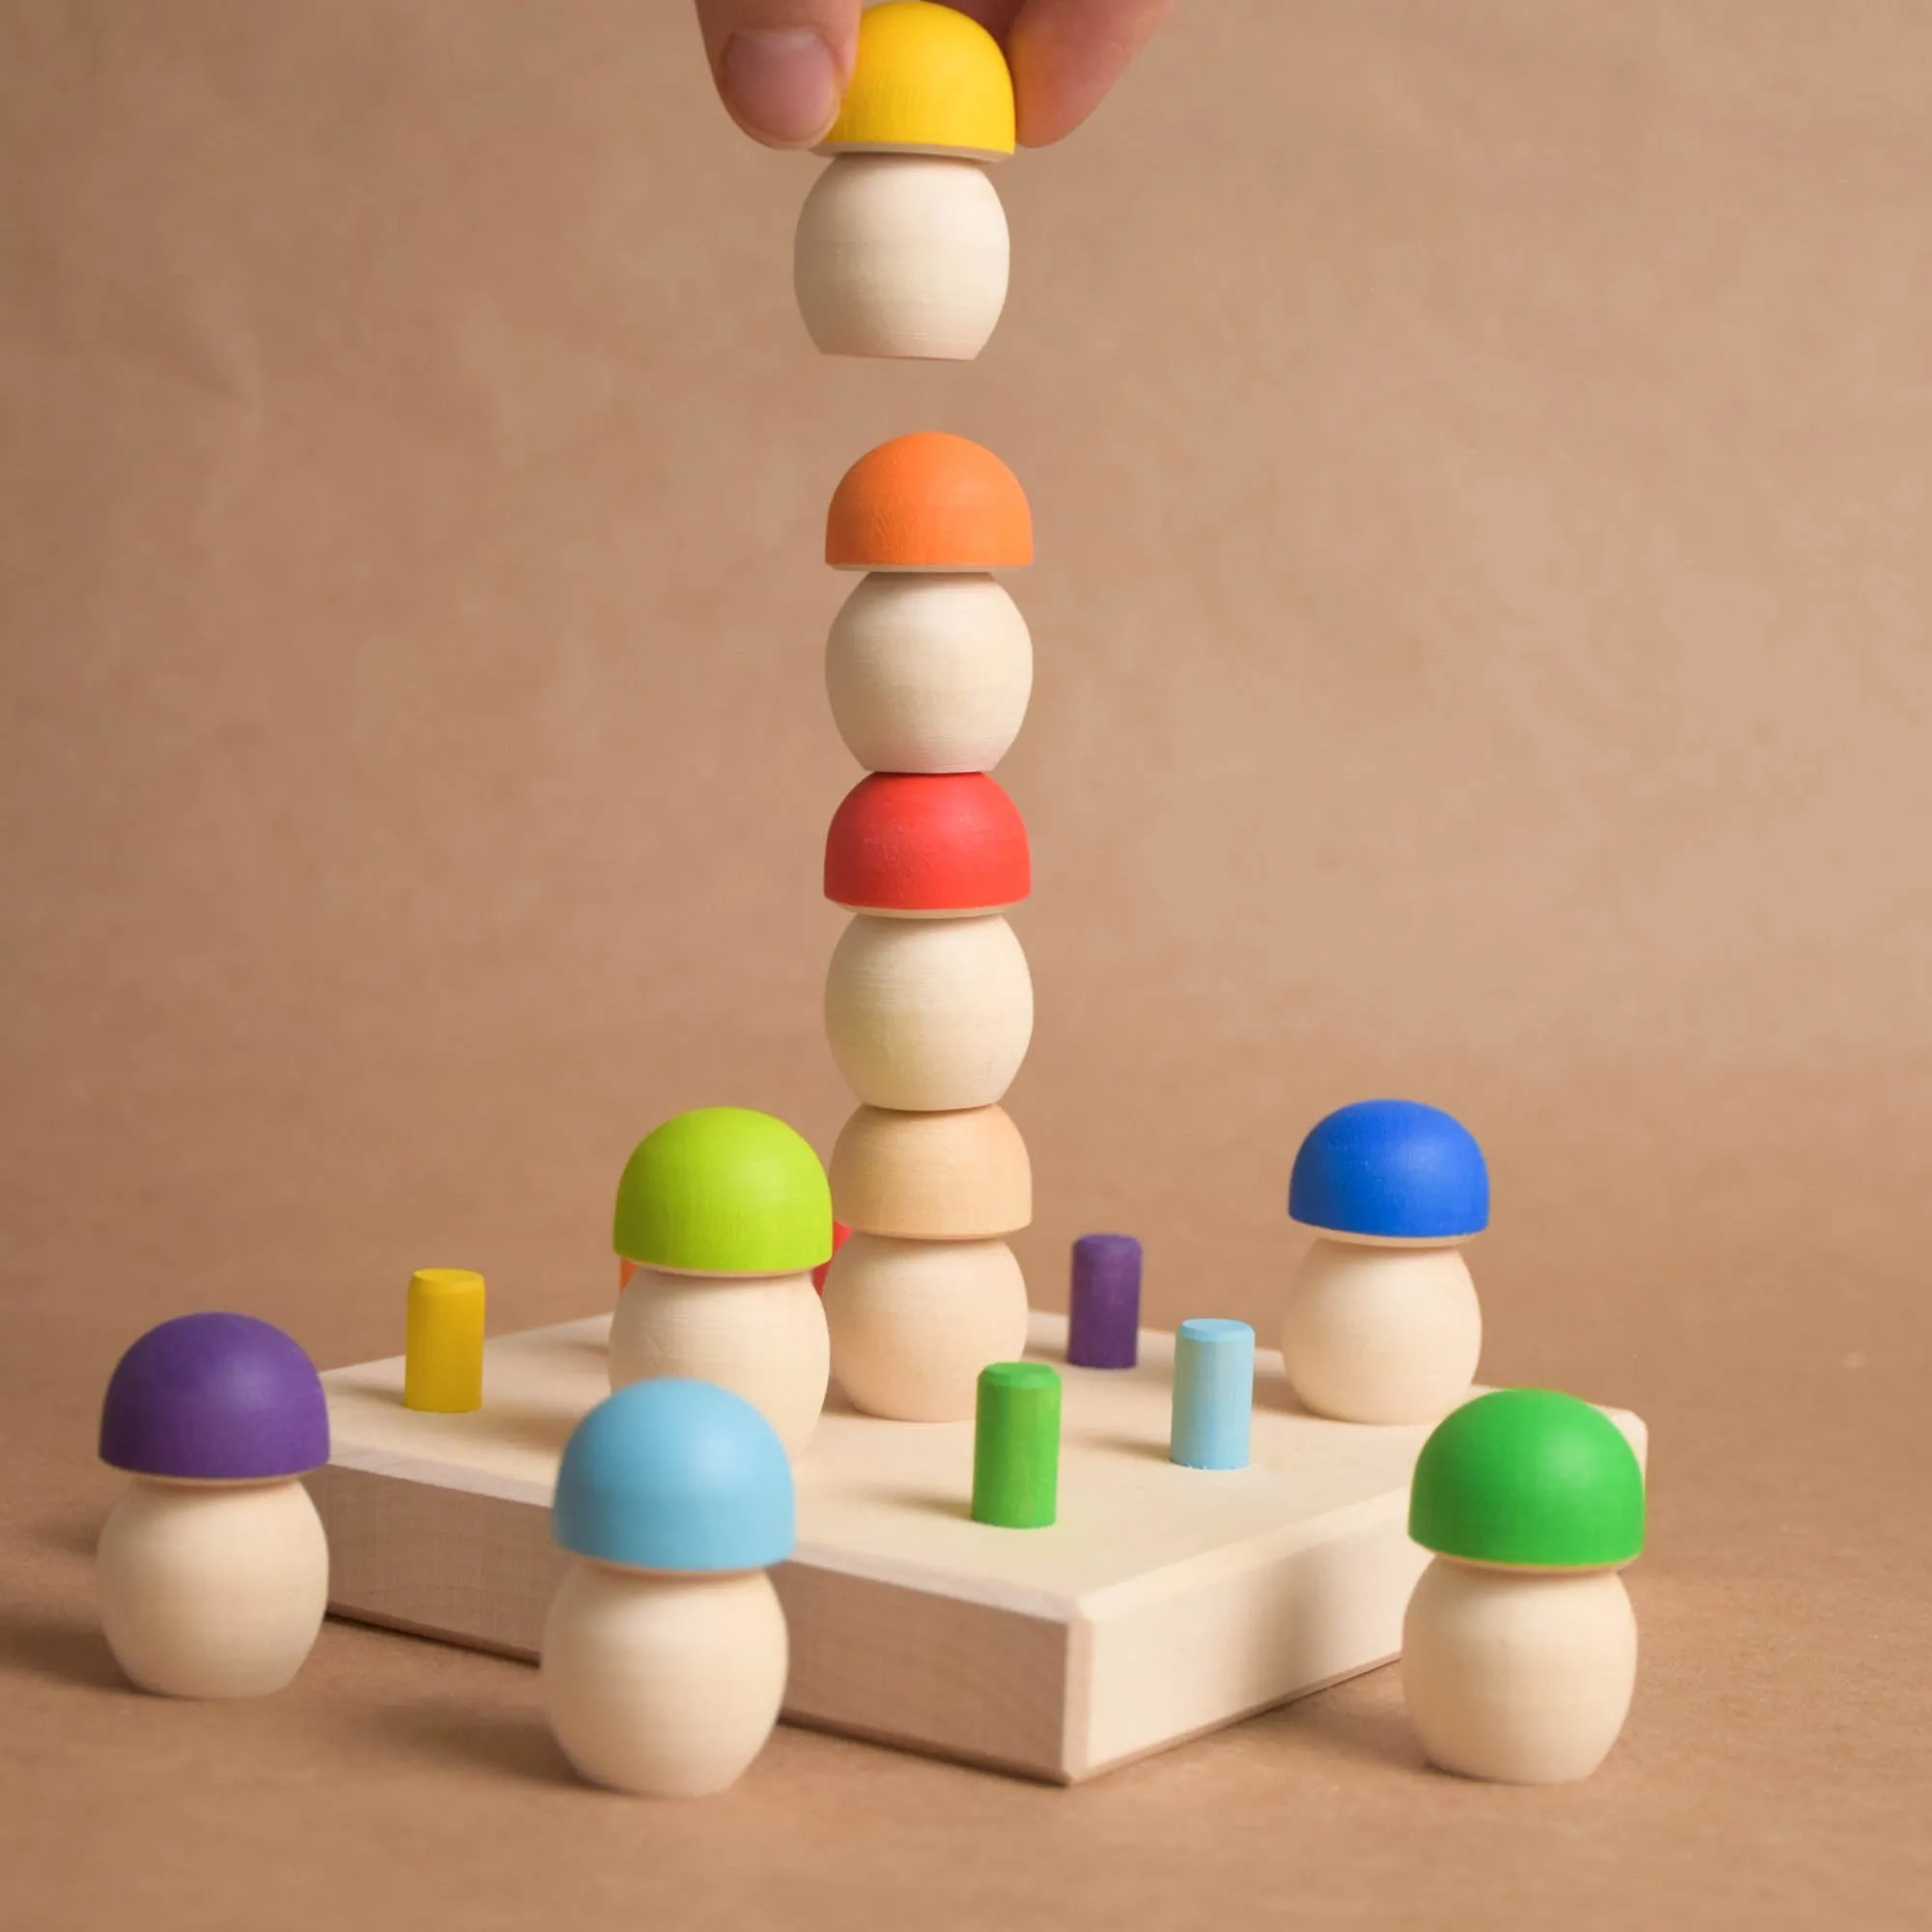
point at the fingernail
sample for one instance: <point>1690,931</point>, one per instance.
<point>781,83</point>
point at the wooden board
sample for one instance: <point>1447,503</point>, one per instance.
<point>1165,1603</point>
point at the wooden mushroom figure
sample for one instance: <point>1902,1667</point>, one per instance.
<point>1381,1322</point>
<point>212,1569</point>
<point>664,1650</point>
<point>928,666</point>
<point>902,247</point>
<point>724,1213</point>
<point>1518,1649</point>
<point>928,1003</point>
<point>928,670</point>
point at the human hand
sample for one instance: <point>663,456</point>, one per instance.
<point>781,65</point>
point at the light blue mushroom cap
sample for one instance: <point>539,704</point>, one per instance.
<point>667,1474</point>
<point>1393,1169</point>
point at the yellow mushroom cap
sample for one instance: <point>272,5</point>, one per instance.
<point>927,80</point>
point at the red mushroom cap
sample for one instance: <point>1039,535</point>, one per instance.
<point>840,1235</point>
<point>951,842</point>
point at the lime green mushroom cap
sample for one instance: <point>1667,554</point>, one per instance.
<point>1528,1477</point>
<point>724,1190</point>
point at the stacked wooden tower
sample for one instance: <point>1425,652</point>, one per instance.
<point>929,1007</point>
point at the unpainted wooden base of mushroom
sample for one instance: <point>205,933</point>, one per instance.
<point>901,256</point>
<point>665,1686</point>
<point>211,1589</point>
<point>914,1322</point>
<point>928,673</point>
<point>928,1015</point>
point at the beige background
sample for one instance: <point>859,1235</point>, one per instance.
<point>1479,456</point>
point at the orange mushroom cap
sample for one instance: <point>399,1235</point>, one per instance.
<point>928,501</point>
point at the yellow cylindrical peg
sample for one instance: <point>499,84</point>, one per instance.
<point>443,1348</point>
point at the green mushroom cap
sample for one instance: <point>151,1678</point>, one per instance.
<point>724,1190</point>
<point>1531,1478</point>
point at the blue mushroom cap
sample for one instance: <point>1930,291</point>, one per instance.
<point>668,1474</point>
<point>1393,1169</point>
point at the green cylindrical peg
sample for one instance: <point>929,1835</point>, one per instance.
<point>1017,1445</point>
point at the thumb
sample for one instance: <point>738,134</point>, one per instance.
<point>781,65</point>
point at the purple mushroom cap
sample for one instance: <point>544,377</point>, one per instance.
<point>214,1397</point>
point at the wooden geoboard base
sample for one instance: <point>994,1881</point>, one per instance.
<point>1163,1604</point>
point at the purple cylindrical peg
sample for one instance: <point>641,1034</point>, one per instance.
<point>1103,1328</point>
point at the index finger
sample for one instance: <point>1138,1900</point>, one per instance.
<point>1064,54</point>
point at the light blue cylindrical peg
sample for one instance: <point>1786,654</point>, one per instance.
<point>1213,1394</point>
